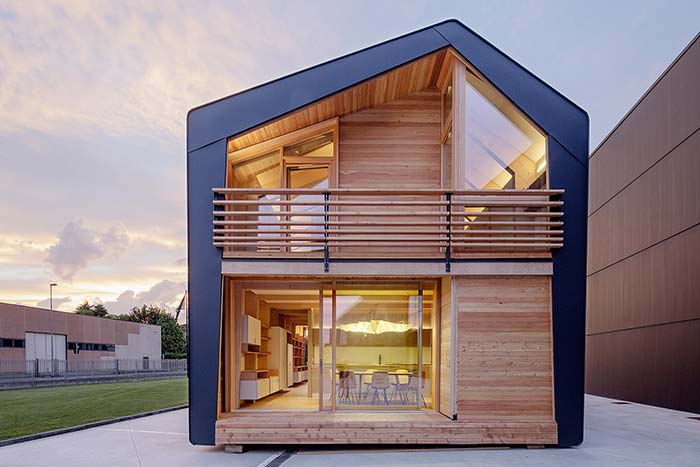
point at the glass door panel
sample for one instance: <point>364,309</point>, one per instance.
<point>327,397</point>
<point>378,337</point>
<point>261,171</point>
<point>309,214</point>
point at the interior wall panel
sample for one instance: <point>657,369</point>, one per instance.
<point>393,145</point>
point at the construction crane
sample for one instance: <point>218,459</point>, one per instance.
<point>181,305</point>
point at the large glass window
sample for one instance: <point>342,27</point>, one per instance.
<point>317,146</point>
<point>447,161</point>
<point>261,171</point>
<point>335,346</point>
<point>305,164</point>
<point>308,166</point>
<point>382,354</point>
<point>447,102</point>
<point>504,150</point>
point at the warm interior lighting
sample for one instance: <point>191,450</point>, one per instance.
<point>375,326</point>
<point>541,165</point>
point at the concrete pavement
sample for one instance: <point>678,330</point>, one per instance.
<point>616,434</point>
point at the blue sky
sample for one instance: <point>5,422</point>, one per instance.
<point>94,95</point>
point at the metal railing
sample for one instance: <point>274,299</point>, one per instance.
<point>376,223</point>
<point>40,368</point>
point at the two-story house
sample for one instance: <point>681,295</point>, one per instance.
<point>389,247</point>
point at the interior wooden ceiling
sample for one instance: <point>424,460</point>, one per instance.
<point>400,82</point>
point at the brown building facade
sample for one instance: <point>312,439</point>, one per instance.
<point>643,322</point>
<point>26,333</point>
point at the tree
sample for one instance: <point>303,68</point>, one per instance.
<point>84,309</point>
<point>147,314</point>
<point>96,309</point>
<point>99,310</point>
<point>172,339</point>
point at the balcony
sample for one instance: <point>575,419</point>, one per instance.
<point>340,223</point>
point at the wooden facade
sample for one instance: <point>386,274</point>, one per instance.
<point>644,259</point>
<point>407,252</point>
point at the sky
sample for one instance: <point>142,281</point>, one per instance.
<point>94,97</point>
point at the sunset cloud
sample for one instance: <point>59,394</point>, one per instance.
<point>78,245</point>
<point>94,97</point>
<point>130,67</point>
<point>165,294</point>
<point>57,302</point>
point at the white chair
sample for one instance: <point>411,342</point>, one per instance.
<point>348,387</point>
<point>400,384</point>
<point>412,388</point>
<point>380,382</point>
<point>367,383</point>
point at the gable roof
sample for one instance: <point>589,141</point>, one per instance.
<point>243,111</point>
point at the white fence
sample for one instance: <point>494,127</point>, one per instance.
<point>39,368</point>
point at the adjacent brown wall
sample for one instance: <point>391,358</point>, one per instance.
<point>643,323</point>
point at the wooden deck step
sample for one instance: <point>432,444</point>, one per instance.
<point>377,428</point>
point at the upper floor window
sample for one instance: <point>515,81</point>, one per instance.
<point>504,149</point>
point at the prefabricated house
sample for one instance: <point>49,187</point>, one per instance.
<point>389,248</point>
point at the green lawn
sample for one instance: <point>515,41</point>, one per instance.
<point>28,411</point>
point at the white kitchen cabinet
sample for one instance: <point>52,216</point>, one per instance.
<point>274,384</point>
<point>290,365</point>
<point>251,330</point>
<point>278,354</point>
<point>254,389</point>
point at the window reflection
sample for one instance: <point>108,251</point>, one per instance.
<point>504,150</point>
<point>378,366</point>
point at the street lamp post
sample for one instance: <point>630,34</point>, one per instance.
<point>51,286</point>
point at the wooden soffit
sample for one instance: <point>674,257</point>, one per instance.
<point>400,82</point>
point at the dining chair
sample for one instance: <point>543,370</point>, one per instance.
<point>412,388</point>
<point>380,382</point>
<point>399,384</point>
<point>348,387</point>
<point>366,383</point>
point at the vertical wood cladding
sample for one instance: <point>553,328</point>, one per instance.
<point>445,346</point>
<point>504,348</point>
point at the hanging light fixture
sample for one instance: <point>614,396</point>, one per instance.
<point>375,326</point>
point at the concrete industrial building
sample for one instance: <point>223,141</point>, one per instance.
<point>26,333</point>
<point>643,319</point>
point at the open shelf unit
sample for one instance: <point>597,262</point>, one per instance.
<point>257,378</point>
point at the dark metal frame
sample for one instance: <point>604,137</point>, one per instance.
<point>209,126</point>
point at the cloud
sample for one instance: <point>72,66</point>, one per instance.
<point>166,294</point>
<point>57,302</point>
<point>144,65</point>
<point>78,245</point>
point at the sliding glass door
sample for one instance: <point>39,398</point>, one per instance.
<point>376,346</point>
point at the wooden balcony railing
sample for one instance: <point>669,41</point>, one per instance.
<point>391,223</point>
